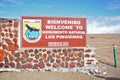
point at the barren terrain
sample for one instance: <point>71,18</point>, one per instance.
<point>104,54</point>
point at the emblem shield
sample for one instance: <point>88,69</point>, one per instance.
<point>32,30</point>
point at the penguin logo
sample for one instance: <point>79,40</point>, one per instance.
<point>32,33</point>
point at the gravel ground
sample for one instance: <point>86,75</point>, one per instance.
<point>104,54</point>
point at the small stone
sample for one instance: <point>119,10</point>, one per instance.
<point>41,64</point>
<point>11,58</point>
<point>15,34</point>
<point>93,56</point>
<point>48,52</point>
<point>64,51</point>
<point>17,59</point>
<point>23,61</point>
<point>79,64</point>
<point>70,54</point>
<point>52,60</point>
<point>9,24</point>
<point>40,50</point>
<point>2,52</point>
<point>67,58</point>
<point>61,54</point>
<point>48,64</point>
<point>69,50</point>
<point>36,56</point>
<point>80,54</point>
<point>4,46</point>
<point>44,56</point>
<point>91,71</point>
<point>62,64</point>
<point>13,52</point>
<point>75,49</point>
<point>35,61</point>
<point>65,54</point>
<point>16,24</point>
<point>88,50</point>
<point>59,50</point>
<point>58,56</point>
<point>35,66</point>
<point>6,66</point>
<point>15,40</point>
<point>44,50</point>
<point>87,55</point>
<point>54,51</point>
<point>82,63</point>
<point>89,62</point>
<point>76,53</point>
<point>72,65</point>
<point>17,55</point>
<point>40,54</point>
<point>55,65</point>
<point>3,25</point>
<point>32,55</point>
<point>49,57</point>
<point>88,73</point>
<point>53,54</point>
<point>1,65</point>
<point>46,60</point>
<point>81,50</point>
<point>36,51</point>
<point>72,58</point>
<point>66,64</point>
<point>30,50</point>
<point>97,71</point>
<point>2,34</point>
<point>41,59</point>
<point>78,59</point>
<point>26,55</point>
<point>104,73</point>
<point>30,59</point>
<point>12,65</point>
<point>22,52</point>
<point>26,51</point>
<point>63,58</point>
<point>12,47</point>
<point>58,61</point>
<point>30,65</point>
<point>24,66</point>
<point>1,44</point>
<point>11,35</point>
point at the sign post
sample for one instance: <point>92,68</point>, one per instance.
<point>53,32</point>
<point>115,56</point>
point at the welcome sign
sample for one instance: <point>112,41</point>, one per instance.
<point>53,32</point>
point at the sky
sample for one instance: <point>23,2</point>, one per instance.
<point>103,16</point>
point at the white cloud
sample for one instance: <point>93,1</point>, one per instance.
<point>116,18</point>
<point>115,4</point>
<point>14,1</point>
<point>104,25</point>
<point>47,6</point>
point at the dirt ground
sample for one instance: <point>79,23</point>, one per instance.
<point>104,54</point>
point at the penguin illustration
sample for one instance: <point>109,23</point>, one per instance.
<point>31,33</point>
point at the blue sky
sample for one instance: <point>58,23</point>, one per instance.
<point>103,16</point>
